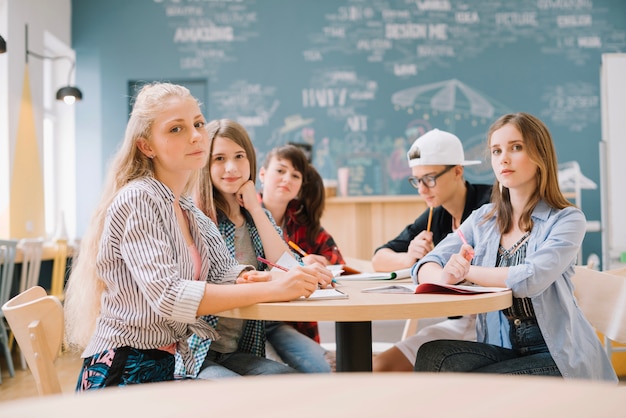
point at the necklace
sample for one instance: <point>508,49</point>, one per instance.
<point>508,253</point>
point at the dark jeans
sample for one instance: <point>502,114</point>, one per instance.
<point>529,354</point>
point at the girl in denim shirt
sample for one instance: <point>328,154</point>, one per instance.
<point>527,240</point>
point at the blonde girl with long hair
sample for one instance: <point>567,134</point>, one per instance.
<point>151,263</point>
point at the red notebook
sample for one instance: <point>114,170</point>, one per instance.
<point>434,288</point>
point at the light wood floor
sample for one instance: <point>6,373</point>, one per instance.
<point>22,385</point>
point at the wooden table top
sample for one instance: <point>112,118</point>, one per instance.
<point>362,306</point>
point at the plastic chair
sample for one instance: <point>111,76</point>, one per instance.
<point>36,320</point>
<point>602,298</point>
<point>8,249</point>
<point>57,286</point>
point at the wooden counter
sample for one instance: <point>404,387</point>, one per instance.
<point>360,224</point>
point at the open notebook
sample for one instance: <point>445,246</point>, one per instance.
<point>434,288</point>
<point>326,294</point>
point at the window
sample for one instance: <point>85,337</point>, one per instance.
<point>58,156</point>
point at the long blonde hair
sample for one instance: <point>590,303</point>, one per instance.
<point>540,149</point>
<point>85,287</point>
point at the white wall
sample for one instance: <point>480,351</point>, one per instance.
<point>4,121</point>
<point>41,16</point>
<point>613,169</point>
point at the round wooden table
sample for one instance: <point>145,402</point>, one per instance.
<point>353,316</point>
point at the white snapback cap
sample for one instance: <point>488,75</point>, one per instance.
<point>438,148</point>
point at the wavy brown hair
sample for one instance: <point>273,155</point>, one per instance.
<point>540,149</point>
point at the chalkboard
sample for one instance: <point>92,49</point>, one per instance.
<point>359,80</point>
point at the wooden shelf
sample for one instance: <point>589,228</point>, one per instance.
<point>360,224</point>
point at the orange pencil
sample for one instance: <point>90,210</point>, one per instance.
<point>430,219</point>
<point>297,248</point>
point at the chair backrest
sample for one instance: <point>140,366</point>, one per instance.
<point>36,320</point>
<point>602,298</point>
<point>617,272</point>
<point>32,250</point>
<point>8,248</point>
<point>59,269</point>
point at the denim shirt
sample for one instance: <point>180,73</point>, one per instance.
<point>544,277</point>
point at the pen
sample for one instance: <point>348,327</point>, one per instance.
<point>430,219</point>
<point>297,248</point>
<point>460,233</point>
<point>269,263</point>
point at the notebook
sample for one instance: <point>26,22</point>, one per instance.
<point>287,260</point>
<point>326,294</point>
<point>434,288</point>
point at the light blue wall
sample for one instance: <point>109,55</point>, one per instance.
<point>333,73</point>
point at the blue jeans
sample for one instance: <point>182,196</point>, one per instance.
<point>296,349</point>
<point>529,354</point>
<point>218,365</point>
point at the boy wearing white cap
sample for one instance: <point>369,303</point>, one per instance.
<point>436,160</point>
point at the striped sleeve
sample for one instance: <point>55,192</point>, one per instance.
<point>151,253</point>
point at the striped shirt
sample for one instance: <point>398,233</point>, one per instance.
<point>150,298</point>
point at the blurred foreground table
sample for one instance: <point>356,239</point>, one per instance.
<point>339,395</point>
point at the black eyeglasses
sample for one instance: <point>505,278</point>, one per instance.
<point>428,181</point>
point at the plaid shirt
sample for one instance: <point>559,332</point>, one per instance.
<point>324,245</point>
<point>253,337</point>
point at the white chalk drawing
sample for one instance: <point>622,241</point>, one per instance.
<point>573,105</point>
<point>452,98</point>
<point>442,32</point>
<point>206,32</point>
<point>252,105</point>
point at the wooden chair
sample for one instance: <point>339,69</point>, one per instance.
<point>57,286</point>
<point>36,320</point>
<point>8,249</point>
<point>32,252</point>
<point>602,298</point>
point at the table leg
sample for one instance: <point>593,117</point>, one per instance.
<point>354,346</point>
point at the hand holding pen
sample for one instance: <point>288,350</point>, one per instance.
<point>307,258</point>
<point>324,275</point>
<point>467,252</point>
<point>458,266</point>
<point>422,244</point>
